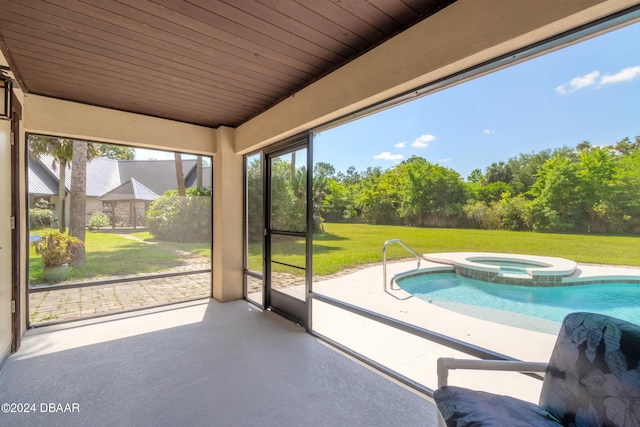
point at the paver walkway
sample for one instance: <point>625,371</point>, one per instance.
<point>67,304</point>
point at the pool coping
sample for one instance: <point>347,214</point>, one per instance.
<point>562,272</point>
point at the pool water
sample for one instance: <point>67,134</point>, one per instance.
<point>509,264</point>
<point>531,307</point>
<point>510,267</point>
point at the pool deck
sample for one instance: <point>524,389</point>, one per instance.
<point>416,358</point>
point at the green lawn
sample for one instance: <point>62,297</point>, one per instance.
<point>345,245</point>
<point>109,254</point>
<point>198,248</point>
<point>348,245</point>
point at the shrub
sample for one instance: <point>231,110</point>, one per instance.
<point>546,219</point>
<point>189,221</point>
<point>41,216</point>
<point>98,220</point>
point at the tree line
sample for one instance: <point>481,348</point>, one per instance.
<point>586,189</point>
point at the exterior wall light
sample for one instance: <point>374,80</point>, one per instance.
<point>5,93</point>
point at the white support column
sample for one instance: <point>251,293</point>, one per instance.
<point>227,218</point>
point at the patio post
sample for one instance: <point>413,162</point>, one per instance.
<point>227,217</point>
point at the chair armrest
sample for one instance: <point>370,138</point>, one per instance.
<point>446,363</point>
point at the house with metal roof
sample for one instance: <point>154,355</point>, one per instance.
<point>111,183</point>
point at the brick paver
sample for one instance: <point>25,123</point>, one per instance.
<point>67,304</point>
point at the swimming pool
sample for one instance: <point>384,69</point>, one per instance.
<point>531,307</point>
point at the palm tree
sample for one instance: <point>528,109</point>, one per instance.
<point>319,194</point>
<point>199,172</point>
<point>78,201</point>
<point>182,194</point>
<point>63,152</point>
<point>61,149</point>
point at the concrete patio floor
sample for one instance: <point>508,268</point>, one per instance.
<point>197,364</point>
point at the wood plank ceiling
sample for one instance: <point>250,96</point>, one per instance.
<point>207,62</point>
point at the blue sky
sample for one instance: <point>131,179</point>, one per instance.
<point>588,91</point>
<point>147,154</point>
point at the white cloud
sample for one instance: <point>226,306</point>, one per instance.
<point>578,83</point>
<point>388,156</point>
<point>400,145</point>
<point>594,78</point>
<point>489,131</point>
<point>423,141</point>
<point>625,75</point>
<point>444,160</point>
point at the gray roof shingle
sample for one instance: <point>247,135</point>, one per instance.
<point>130,190</point>
<point>157,175</point>
<point>104,175</point>
<point>40,180</point>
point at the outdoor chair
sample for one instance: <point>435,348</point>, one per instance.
<point>592,379</point>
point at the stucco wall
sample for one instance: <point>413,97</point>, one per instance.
<point>227,218</point>
<point>63,118</point>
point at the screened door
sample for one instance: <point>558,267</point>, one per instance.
<point>286,240</point>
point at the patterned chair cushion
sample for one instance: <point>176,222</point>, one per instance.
<point>464,407</point>
<point>593,378</point>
